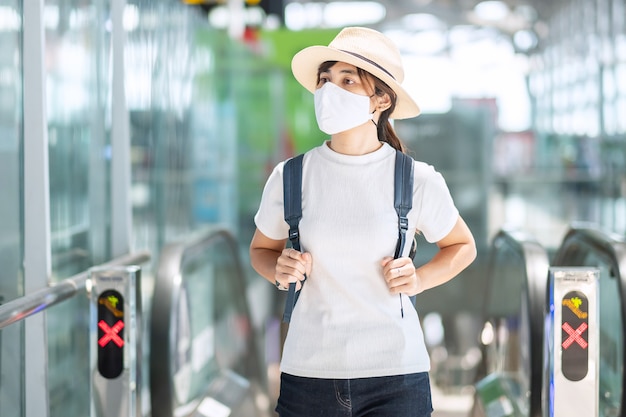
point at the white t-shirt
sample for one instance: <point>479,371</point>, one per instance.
<point>346,324</point>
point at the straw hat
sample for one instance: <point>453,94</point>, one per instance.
<point>366,49</point>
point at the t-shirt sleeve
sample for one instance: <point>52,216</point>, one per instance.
<point>436,214</point>
<point>269,219</point>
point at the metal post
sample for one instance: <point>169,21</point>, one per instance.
<point>573,341</point>
<point>36,206</point>
<point>121,208</point>
<point>115,342</point>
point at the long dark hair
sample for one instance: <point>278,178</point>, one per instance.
<point>384,130</point>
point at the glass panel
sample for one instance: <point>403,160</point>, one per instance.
<point>76,71</point>
<point>194,365</point>
<point>208,120</point>
<point>508,310</point>
<point>77,76</point>
<point>10,150</point>
<point>159,74</point>
<point>212,325</point>
<point>11,184</point>
<point>572,105</point>
<point>621,109</point>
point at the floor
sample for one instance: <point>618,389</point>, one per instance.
<point>452,405</point>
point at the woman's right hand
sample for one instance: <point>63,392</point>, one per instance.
<point>292,266</point>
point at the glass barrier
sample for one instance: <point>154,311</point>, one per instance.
<point>514,311</point>
<point>588,247</point>
<point>201,335</point>
<point>11,182</point>
<point>78,120</point>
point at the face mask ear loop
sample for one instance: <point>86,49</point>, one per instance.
<point>372,114</point>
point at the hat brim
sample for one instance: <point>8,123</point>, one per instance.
<point>305,64</point>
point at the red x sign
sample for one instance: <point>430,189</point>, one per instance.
<point>111,333</point>
<point>574,335</point>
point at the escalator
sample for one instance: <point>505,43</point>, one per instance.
<point>513,332</point>
<point>204,361</point>
<point>516,379</point>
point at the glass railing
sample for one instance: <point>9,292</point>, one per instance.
<point>589,247</point>
<point>202,341</point>
<point>513,332</point>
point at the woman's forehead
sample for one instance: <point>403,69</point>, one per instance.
<point>342,67</point>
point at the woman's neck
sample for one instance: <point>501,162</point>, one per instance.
<point>358,141</point>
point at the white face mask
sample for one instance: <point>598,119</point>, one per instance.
<point>338,110</point>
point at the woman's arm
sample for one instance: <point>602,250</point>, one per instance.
<point>457,250</point>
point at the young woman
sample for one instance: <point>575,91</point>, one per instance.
<point>349,351</point>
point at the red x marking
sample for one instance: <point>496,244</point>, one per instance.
<point>111,333</point>
<point>574,335</point>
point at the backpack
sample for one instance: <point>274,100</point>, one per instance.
<point>292,197</point>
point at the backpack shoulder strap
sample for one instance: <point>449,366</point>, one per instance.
<point>403,202</point>
<point>403,196</point>
<point>292,206</point>
<point>292,197</point>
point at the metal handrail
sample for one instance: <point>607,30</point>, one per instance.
<point>536,265</point>
<point>37,301</point>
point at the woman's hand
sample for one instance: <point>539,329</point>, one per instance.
<point>401,277</point>
<point>292,266</point>
<point>276,264</point>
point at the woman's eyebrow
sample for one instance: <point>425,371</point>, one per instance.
<point>343,71</point>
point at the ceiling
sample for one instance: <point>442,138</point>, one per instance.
<point>456,12</point>
<point>531,16</point>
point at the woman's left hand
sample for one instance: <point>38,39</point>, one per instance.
<point>401,277</point>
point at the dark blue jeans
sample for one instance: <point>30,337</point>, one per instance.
<point>387,396</point>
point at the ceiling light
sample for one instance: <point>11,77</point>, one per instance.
<point>10,19</point>
<point>131,17</point>
<point>422,21</point>
<point>491,10</point>
<point>428,42</point>
<point>300,16</point>
<point>525,40</point>
<point>334,14</point>
<point>339,13</point>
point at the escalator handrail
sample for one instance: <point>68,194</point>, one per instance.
<point>613,247</point>
<point>536,265</point>
<point>38,301</point>
<point>168,282</point>
<point>602,242</point>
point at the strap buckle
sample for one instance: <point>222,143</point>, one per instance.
<point>403,223</point>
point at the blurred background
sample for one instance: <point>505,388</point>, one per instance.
<point>524,105</point>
